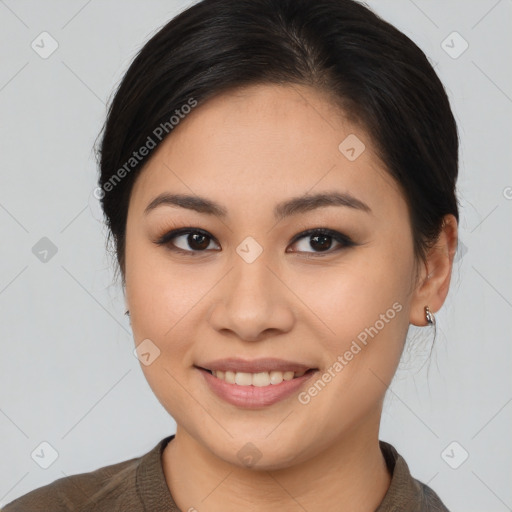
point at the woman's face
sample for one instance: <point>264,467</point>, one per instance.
<point>251,172</point>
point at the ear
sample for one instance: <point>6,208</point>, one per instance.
<point>434,279</point>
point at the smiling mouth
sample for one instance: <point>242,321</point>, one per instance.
<point>259,379</point>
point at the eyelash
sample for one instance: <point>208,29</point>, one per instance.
<point>342,239</point>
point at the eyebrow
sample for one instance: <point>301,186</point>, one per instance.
<point>301,204</point>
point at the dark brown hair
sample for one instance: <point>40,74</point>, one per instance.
<point>376,74</point>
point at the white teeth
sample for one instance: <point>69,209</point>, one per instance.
<point>243,379</point>
<point>276,377</point>
<point>260,379</point>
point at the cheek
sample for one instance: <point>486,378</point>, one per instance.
<point>365,303</point>
<point>159,293</point>
<point>160,298</point>
<point>367,312</point>
<point>164,300</point>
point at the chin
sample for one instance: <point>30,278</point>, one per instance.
<point>255,452</point>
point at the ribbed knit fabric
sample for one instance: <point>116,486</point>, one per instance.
<point>139,485</point>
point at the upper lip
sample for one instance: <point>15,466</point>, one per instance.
<point>267,364</point>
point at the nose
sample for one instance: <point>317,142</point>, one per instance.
<point>252,303</point>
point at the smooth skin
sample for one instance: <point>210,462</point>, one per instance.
<point>249,150</point>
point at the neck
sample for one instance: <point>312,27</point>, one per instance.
<point>350,475</point>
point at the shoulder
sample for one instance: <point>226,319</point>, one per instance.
<point>405,492</point>
<point>430,500</point>
<point>108,488</point>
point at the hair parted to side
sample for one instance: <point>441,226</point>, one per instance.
<point>375,73</point>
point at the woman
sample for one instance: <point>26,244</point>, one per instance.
<point>278,177</point>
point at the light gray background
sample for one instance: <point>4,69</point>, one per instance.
<point>68,374</point>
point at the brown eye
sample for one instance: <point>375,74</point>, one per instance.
<point>188,240</point>
<point>198,241</point>
<point>313,241</point>
<point>321,240</point>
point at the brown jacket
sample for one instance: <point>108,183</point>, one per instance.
<point>139,485</point>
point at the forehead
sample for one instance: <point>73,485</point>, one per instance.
<point>264,141</point>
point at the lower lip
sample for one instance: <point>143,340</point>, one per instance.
<point>253,397</point>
